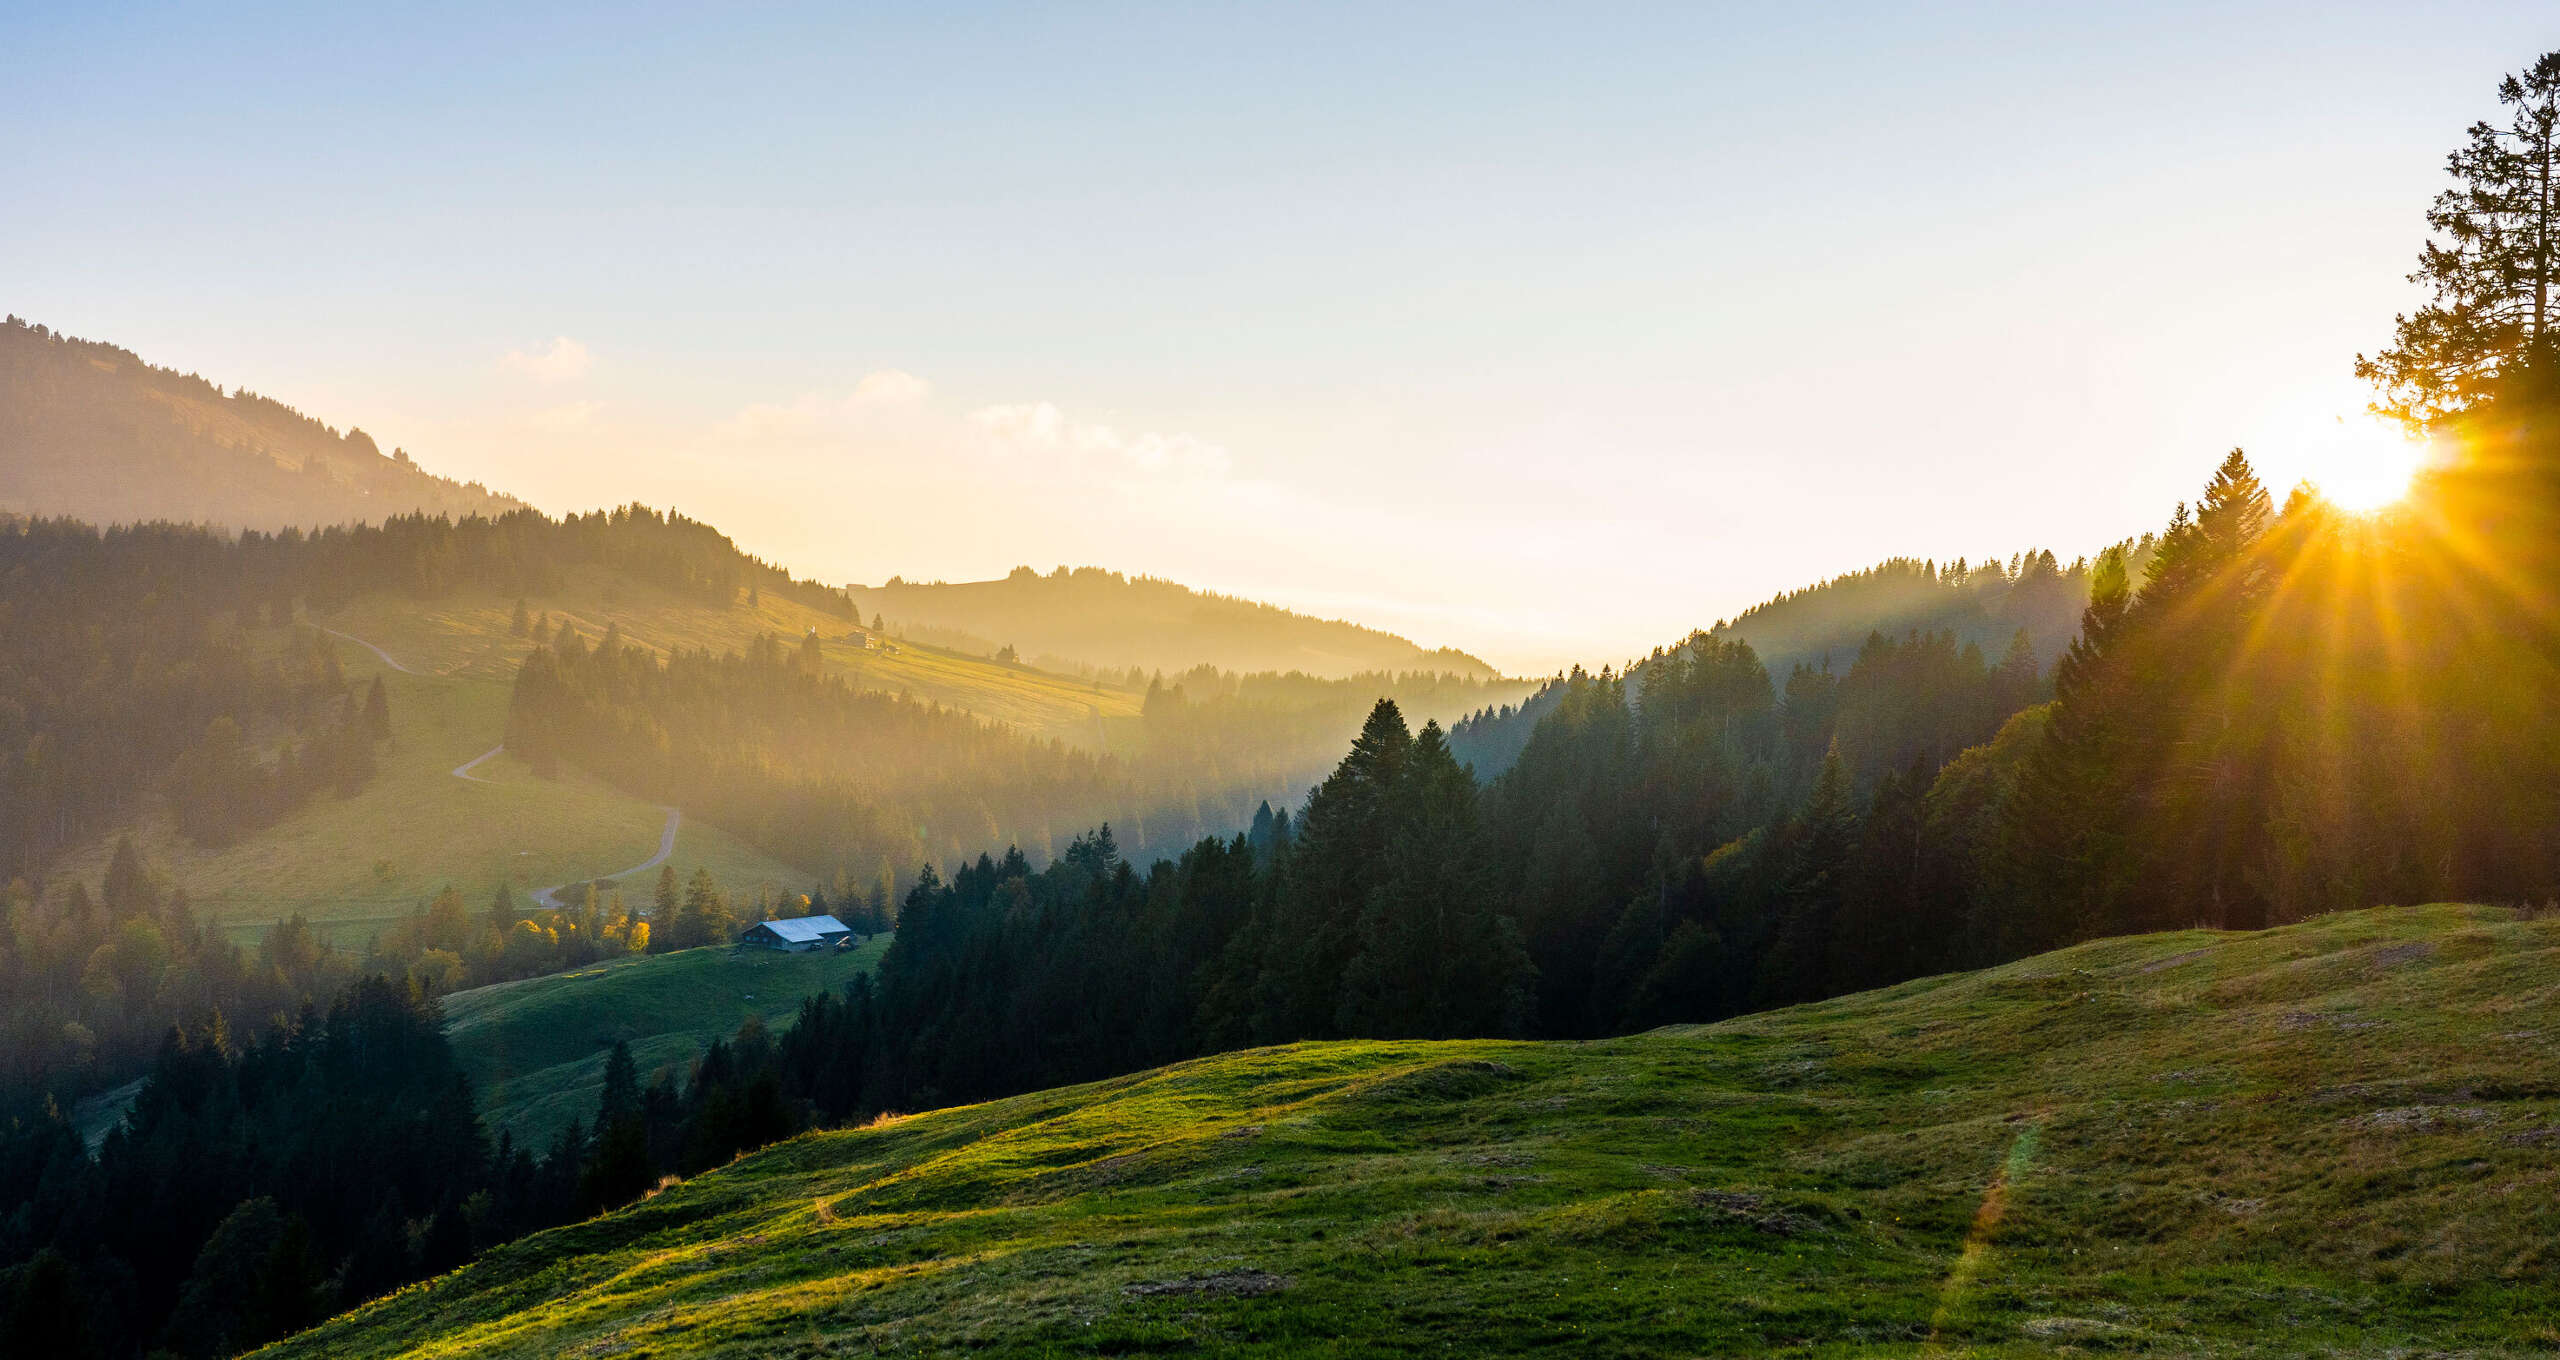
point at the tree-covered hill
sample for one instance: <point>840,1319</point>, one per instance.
<point>1091,618</point>
<point>2167,1143</point>
<point>2025,610</point>
<point>91,431</point>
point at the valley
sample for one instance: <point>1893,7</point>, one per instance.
<point>660,875</point>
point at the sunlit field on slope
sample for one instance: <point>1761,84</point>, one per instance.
<point>2328,1138</point>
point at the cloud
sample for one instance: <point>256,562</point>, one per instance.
<point>565,361</point>
<point>879,399</point>
<point>1041,428</point>
<point>889,387</point>
<point>573,416</point>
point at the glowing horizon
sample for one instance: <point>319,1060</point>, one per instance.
<point>1546,342</point>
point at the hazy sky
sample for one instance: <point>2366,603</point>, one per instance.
<point>1547,331</point>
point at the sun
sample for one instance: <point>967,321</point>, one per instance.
<point>2362,463</point>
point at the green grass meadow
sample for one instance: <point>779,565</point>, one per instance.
<point>535,1048</point>
<point>2333,1138</point>
<point>354,864</point>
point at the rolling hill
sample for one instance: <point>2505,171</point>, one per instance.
<point>2173,1143</point>
<point>426,820</point>
<point>535,1048</point>
<point>92,432</point>
<point>353,864</point>
<point>1091,618</point>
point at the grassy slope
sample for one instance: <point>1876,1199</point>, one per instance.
<point>357,863</point>
<point>535,1049</point>
<point>2334,1137</point>
<point>470,636</point>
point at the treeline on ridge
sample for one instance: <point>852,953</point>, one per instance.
<point>1988,605</point>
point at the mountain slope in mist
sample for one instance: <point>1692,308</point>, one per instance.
<point>91,431</point>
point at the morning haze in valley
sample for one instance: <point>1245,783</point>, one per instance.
<point>1279,681</point>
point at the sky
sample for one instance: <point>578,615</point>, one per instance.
<point>1550,332</point>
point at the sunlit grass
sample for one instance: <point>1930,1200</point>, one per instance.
<point>2329,1138</point>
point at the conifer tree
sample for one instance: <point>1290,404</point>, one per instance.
<point>503,911</point>
<point>1820,841</point>
<point>704,917</point>
<point>618,1171</point>
<point>1341,839</point>
<point>663,910</point>
<point>2489,263</point>
<point>1434,957</point>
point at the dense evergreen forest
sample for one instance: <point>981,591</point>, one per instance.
<point>2287,711</point>
<point>258,1186</point>
<point>2031,601</point>
<point>94,433</point>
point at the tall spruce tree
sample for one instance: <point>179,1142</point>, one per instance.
<point>2488,264</point>
<point>1435,959</point>
<point>619,1170</point>
<point>1342,837</point>
<point>664,908</point>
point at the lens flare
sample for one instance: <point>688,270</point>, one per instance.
<point>2363,463</point>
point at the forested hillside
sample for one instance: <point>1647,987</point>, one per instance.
<point>2289,712</point>
<point>92,432</point>
<point>259,1184</point>
<point>2017,615</point>
<point>820,771</point>
<point>145,660</point>
<point>1986,604</point>
<point>1091,619</point>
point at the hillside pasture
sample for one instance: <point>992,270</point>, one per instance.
<point>2332,1138</point>
<point>535,1048</point>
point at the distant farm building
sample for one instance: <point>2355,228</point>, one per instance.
<point>799,935</point>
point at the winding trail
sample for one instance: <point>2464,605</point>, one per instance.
<point>386,656</point>
<point>666,847</point>
<point>547,898</point>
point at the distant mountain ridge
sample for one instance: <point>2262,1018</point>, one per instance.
<point>92,432</point>
<point>1984,604</point>
<point>1091,618</point>
<point>1824,625</point>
